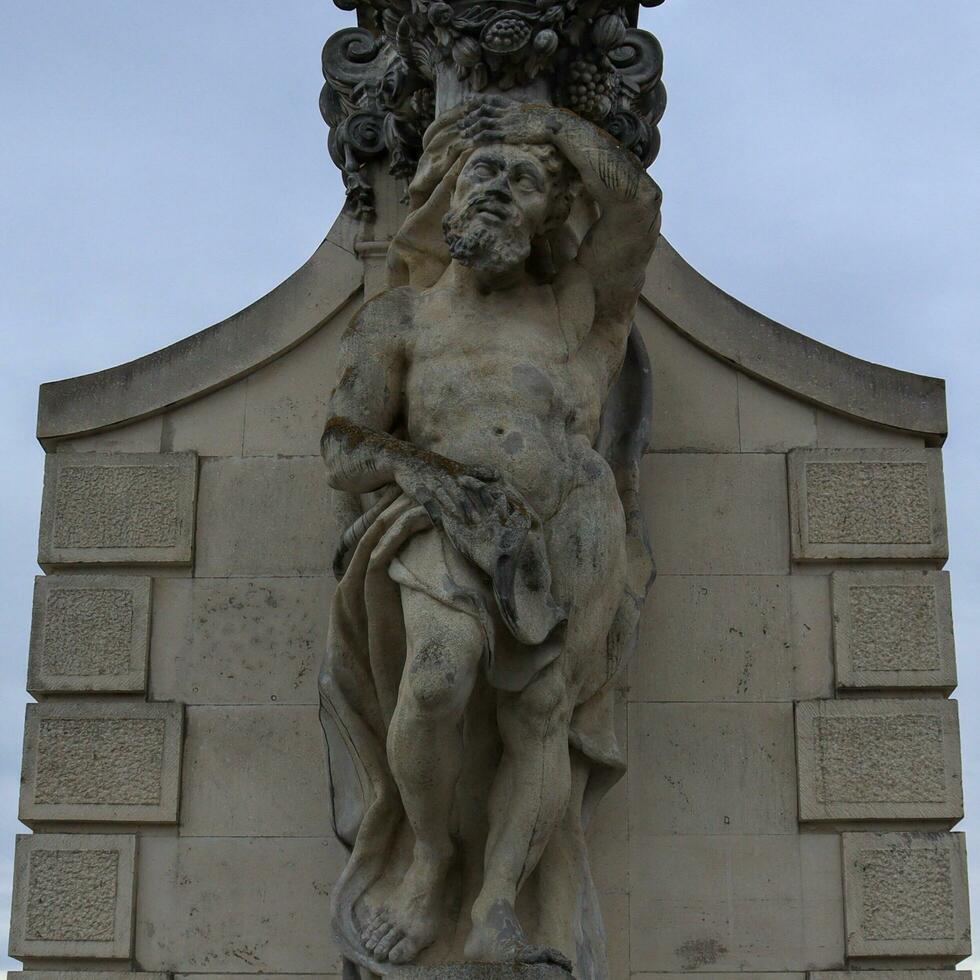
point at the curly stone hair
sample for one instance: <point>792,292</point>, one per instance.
<point>564,181</point>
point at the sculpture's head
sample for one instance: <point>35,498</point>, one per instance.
<point>505,197</point>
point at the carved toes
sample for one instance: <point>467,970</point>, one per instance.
<point>404,951</point>
<point>388,941</point>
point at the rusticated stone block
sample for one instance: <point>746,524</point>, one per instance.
<point>905,895</point>
<point>852,504</point>
<point>87,761</point>
<point>118,508</point>
<point>893,630</point>
<point>89,634</point>
<point>73,896</point>
<point>879,760</point>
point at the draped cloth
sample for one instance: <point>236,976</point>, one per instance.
<point>366,651</point>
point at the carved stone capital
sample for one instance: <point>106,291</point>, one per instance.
<point>387,79</point>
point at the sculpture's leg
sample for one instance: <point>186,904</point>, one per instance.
<point>528,799</point>
<point>443,652</point>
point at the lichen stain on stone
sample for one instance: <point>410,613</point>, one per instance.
<point>697,953</point>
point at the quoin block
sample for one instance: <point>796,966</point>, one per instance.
<point>905,895</point>
<point>854,504</point>
<point>893,629</point>
<point>118,509</point>
<point>73,896</point>
<point>90,761</point>
<point>879,760</point>
<point>89,634</point>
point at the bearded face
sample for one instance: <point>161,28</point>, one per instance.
<point>500,204</point>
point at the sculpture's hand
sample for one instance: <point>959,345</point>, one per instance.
<point>496,119</point>
<point>451,493</point>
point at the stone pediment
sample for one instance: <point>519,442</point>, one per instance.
<point>283,319</point>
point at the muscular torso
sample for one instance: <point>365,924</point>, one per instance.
<point>496,381</point>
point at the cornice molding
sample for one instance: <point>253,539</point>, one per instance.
<point>308,299</point>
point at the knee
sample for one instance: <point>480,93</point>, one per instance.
<point>439,679</point>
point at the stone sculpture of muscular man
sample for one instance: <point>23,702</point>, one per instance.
<point>473,405</point>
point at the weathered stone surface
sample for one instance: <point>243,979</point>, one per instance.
<point>697,395</point>
<point>240,640</point>
<point>254,771</point>
<point>237,905</point>
<point>843,432</point>
<point>118,508</point>
<point>607,837</point>
<point>249,976</point>
<point>787,359</point>
<point>879,760</point>
<point>211,426</point>
<point>734,638</point>
<point>880,974</point>
<point>716,903</point>
<point>264,516</point>
<point>109,761</point>
<point>73,896</point>
<point>136,437</point>
<point>615,908</point>
<point>209,359</point>
<point>721,514</point>
<point>287,399</point>
<point>906,896</point>
<point>402,666</point>
<point>712,769</point>
<point>867,503</point>
<point>89,634</point>
<point>893,630</point>
<point>713,320</point>
<point>487,971</point>
<point>731,976</point>
<point>770,421</point>
<point>84,975</point>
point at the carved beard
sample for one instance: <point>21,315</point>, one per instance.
<point>486,248</point>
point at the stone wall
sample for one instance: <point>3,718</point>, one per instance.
<point>794,760</point>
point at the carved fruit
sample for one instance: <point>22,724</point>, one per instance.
<point>608,32</point>
<point>466,52</point>
<point>588,90</point>
<point>505,34</point>
<point>440,15</point>
<point>545,43</point>
<point>554,15</point>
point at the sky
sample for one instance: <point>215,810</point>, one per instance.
<point>162,165</point>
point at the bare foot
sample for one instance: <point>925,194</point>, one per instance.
<point>409,922</point>
<point>498,937</point>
